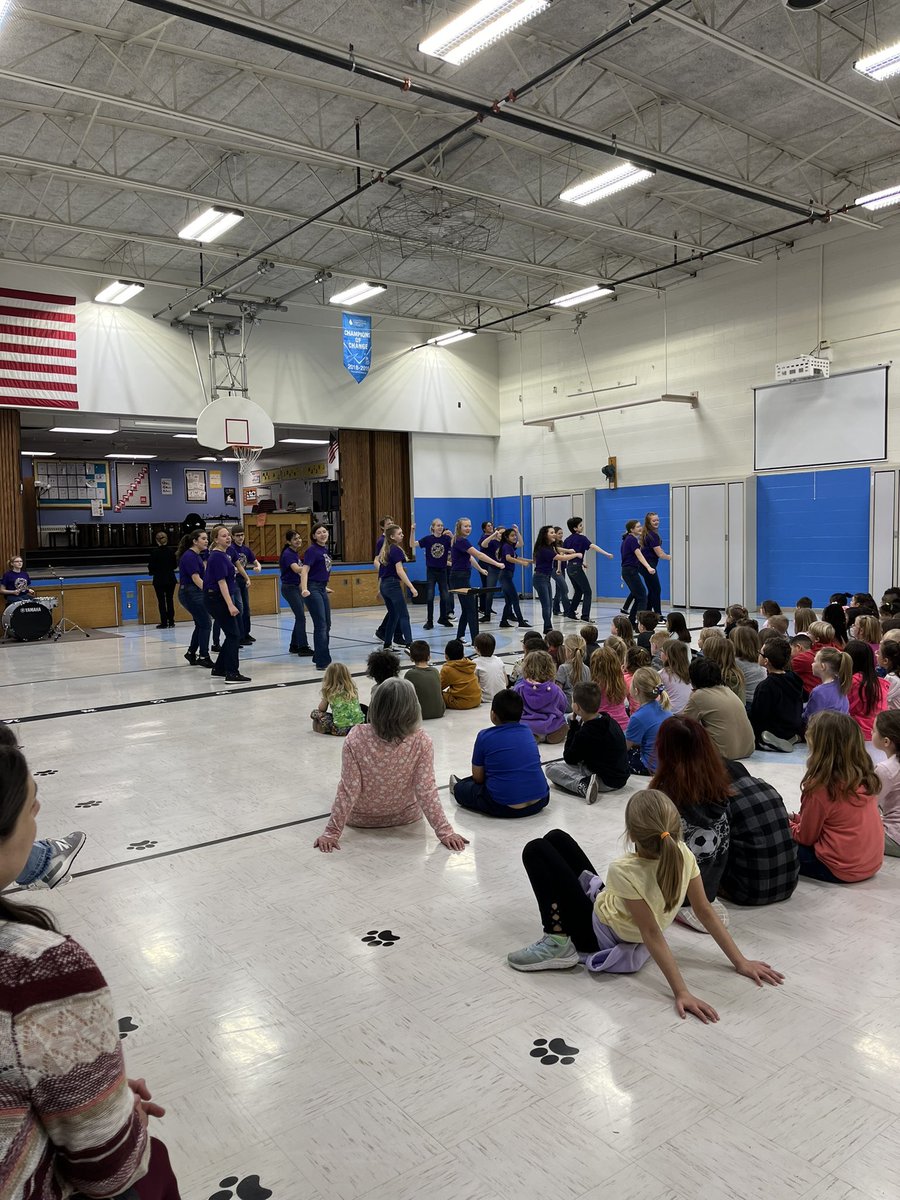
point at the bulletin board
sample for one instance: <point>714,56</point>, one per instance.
<point>133,485</point>
<point>72,483</point>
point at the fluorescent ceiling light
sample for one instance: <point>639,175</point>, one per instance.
<point>584,296</point>
<point>481,25</point>
<point>357,293</point>
<point>882,199</point>
<point>185,435</point>
<point>119,292</point>
<point>880,65</point>
<point>133,457</point>
<point>447,339</point>
<point>211,223</point>
<point>79,429</point>
<point>229,460</point>
<point>207,458</point>
<point>36,453</point>
<point>302,442</point>
<point>607,184</point>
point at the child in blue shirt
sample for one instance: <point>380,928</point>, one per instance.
<point>506,779</point>
<point>655,707</point>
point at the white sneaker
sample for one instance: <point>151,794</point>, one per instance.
<point>65,851</point>
<point>454,780</point>
<point>687,916</point>
<point>593,791</point>
<point>785,745</point>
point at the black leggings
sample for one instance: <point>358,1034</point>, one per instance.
<point>553,863</point>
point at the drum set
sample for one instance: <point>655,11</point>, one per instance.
<point>30,619</point>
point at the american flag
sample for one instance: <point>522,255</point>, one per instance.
<point>334,456</point>
<point>37,350</point>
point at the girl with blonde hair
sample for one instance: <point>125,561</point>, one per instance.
<point>340,694</point>
<point>606,672</point>
<point>545,702</point>
<point>655,707</point>
<point>721,651</point>
<point>574,669</point>
<point>392,579</point>
<point>834,670</point>
<point>745,640</point>
<point>617,924</point>
<point>803,618</point>
<point>867,628</point>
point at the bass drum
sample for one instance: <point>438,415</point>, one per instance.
<point>27,620</point>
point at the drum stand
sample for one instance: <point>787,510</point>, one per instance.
<point>63,625</point>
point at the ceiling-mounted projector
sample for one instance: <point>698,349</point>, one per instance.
<point>802,5</point>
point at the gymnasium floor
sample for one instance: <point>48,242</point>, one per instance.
<point>298,1061</point>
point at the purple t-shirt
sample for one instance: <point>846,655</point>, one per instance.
<point>580,544</point>
<point>189,564</point>
<point>242,554</point>
<point>648,544</point>
<point>318,560</point>
<point>505,553</point>
<point>388,570</point>
<point>218,566</point>
<point>629,546</point>
<point>460,559</point>
<point>543,560</point>
<point>289,578</point>
<point>378,545</point>
<point>437,551</point>
<point>16,581</point>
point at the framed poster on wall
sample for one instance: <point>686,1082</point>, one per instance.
<point>133,485</point>
<point>195,486</point>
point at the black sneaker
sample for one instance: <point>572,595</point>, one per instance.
<point>293,650</point>
<point>428,625</point>
<point>525,625</point>
<point>306,651</point>
<point>246,641</point>
<point>448,624</point>
<point>162,625</point>
<point>248,638</point>
<point>216,646</point>
<point>238,678</point>
<point>504,625</point>
<point>192,658</point>
<point>206,661</point>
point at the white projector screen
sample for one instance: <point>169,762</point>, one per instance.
<point>821,422</point>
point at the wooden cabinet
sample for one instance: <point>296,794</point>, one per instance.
<point>265,599</point>
<point>342,590</point>
<point>91,605</point>
<point>365,588</point>
<point>267,541</point>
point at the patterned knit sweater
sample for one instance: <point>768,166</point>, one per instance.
<point>67,1117</point>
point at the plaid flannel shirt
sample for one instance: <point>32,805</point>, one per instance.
<point>762,863</point>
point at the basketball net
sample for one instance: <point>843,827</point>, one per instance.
<point>248,457</point>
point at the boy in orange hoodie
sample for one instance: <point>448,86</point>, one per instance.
<point>459,682</point>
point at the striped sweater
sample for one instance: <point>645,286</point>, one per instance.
<point>67,1117</point>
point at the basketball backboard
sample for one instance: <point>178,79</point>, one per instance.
<point>236,422</point>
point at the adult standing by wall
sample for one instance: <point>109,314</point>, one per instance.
<point>161,568</point>
<point>635,569</point>
<point>651,546</point>
<point>191,565</point>
<point>392,578</point>
<point>508,555</point>
<point>243,558</point>
<point>547,553</point>
<point>290,590</point>
<point>315,572</point>
<point>218,586</point>
<point>463,557</point>
<point>580,545</point>
<point>436,545</point>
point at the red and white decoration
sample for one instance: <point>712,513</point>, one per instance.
<point>37,350</point>
<point>131,492</point>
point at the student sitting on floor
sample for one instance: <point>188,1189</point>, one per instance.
<point>621,627</point>
<point>762,866</point>
<point>734,614</point>
<point>530,641</point>
<point>647,622</point>
<point>382,665</point>
<point>590,633</point>
<point>868,693</point>
<point>677,627</point>
<point>553,640</point>
<point>745,640</point>
<point>653,707</point>
<point>490,669</point>
<point>339,692</point>
<point>888,667</point>
<point>838,828</point>
<point>834,670</point>
<point>595,758</point>
<point>675,673</point>
<point>618,924</point>
<point>544,699</point>
<point>886,738</point>
<point>635,658</point>
<point>658,639</point>
<point>821,633</point>
<point>506,779</point>
<point>719,711</point>
<point>721,651</point>
<point>459,683</point>
<point>426,679</point>
<point>574,669</point>
<point>711,618</point>
<point>606,672</point>
<point>387,772</point>
<point>777,710</point>
<point>778,625</point>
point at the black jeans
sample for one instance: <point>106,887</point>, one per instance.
<point>635,582</point>
<point>244,606</point>
<point>654,590</point>
<point>486,600</point>
<point>554,863</point>
<point>436,579</point>
<point>561,602</point>
<point>581,590</point>
<point>511,607</point>
<point>165,598</point>
<point>476,797</point>
<point>468,605</point>
<point>813,868</point>
<point>228,662</point>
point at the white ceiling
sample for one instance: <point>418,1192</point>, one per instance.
<point>117,122</point>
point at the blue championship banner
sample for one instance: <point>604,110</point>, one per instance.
<point>357,345</point>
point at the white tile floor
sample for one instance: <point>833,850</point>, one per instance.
<point>286,1048</point>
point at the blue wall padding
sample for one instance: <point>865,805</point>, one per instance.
<point>615,506</point>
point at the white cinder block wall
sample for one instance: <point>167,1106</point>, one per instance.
<point>719,334</point>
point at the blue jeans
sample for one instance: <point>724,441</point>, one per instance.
<point>813,868</point>
<point>320,611</point>
<point>236,601</point>
<point>511,607</point>
<point>38,861</point>
<point>398,614</point>
<point>581,590</point>
<point>560,593</point>
<point>244,606</point>
<point>486,600</point>
<point>634,581</point>
<point>191,597</point>
<point>291,593</point>
<point>228,662</point>
<point>468,605</point>
<point>542,585</point>
<point>436,579</point>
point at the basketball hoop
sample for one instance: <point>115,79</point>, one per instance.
<point>238,424</point>
<point>247,456</point>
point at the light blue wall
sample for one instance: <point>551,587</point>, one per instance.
<point>812,534</point>
<point>615,506</point>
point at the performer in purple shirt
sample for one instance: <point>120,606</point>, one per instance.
<point>315,572</point>
<point>651,545</point>
<point>16,582</point>
<point>218,585</point>
<point>463,556</point>
<point>290,590</point>
<point>545,556</point>
<point>191,566</point>
<point>243,558</point>
<point>581,588</point>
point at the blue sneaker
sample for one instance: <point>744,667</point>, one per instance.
<point>549,954</point>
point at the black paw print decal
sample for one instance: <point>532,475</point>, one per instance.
<point>143,845</point>
<point>41,774</point>
<point>553,1051</point>
<point>126,1026</point>
<point>89,804</point>
<point>248,1188</point>
<point>382,937</point>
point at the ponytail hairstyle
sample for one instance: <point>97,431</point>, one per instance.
<point>188,541</point>
<point>677,660</point>
<point>387,545</point>
<point>888,725</point>
<point>647,686</point>
<point>834,615</point>
<point>14,777</point>
<point>636,657</point>
<point>890,655</point>
<point>837,762</point>
<point>864,665</point>
<point>606,672</point>
<point>630,527</point>
<point>457,529</point>
<point>623,628</point>
<point>842,665</point>
<point>677,626</point>
<point>869,629</point>
<point>735,613</point>
<point>803,618</point>
<point>653,827</point>
<point>618,648</point>
<point>575,647</point>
